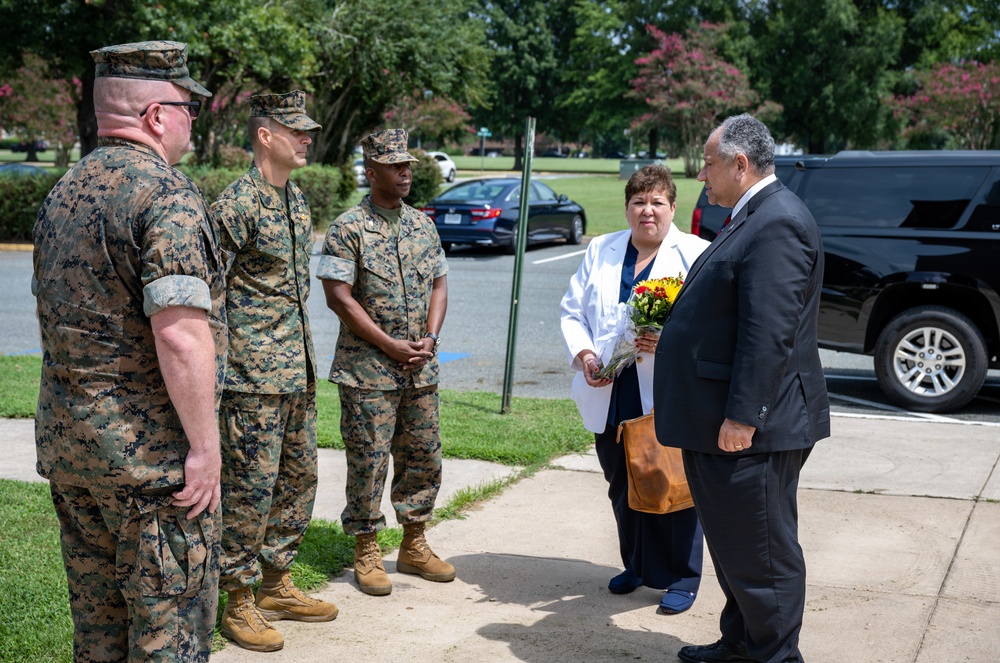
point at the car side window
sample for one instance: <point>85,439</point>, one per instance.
<point>891,197</point>
<point>514,195</point>
<point>542,193</point>
<point>986,216</point>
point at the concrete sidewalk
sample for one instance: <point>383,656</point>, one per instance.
<point>900,522</point>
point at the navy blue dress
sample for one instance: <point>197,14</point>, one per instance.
<point>665,550</point>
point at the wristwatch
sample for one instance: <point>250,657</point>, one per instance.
<point>434,337</point>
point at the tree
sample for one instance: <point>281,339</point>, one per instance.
<point>828,63</point>
<point>234,46</point>
<point>523,72</point>
<point>962,99</point>
<point>430,117</point>
<point>375,53</point>
<point>36,103</point>
<point>689,89</point>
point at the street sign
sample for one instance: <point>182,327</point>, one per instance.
<point>484,132</point>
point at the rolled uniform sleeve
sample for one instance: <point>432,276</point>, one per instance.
<point>442,265</point>
<point>341,249</point>
<point>178,255</point>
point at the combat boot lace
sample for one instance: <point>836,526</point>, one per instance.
<point>243,624</point>
<point>368,569</point>
<point>279,598</point>
<point>416,557</point>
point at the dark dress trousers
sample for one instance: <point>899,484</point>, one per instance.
<point>740,343</point>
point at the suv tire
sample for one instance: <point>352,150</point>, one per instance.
<point>947,379</point>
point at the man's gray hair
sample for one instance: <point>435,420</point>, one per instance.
<point>745,134</point>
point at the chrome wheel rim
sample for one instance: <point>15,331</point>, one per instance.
<point>929,361</point>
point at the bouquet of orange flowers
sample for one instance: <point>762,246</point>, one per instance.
<point>647,310</point>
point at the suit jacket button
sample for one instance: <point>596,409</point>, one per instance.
<point>763,412</point>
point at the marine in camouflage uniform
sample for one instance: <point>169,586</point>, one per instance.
<point>383,271</point>
<point>122,244</point>
<point>268,414</point>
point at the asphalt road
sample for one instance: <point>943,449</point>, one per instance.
<point>475,334</point>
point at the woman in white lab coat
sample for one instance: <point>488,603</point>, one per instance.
<point>658,551</point>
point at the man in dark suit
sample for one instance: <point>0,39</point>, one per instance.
<point>739,387</point>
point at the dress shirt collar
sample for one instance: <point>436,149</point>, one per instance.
<point>751,192</point>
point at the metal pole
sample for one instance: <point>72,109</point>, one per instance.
<point>522,241</point>
<point>482,152</point>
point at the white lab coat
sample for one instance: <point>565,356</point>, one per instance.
<point>590,311</point>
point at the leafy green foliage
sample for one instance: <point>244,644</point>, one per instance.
<point>36,103</point>
<point>426,179</point>
<point>827,64</point>
<point>325,187</point>
<point>523,69</point>
<point>374,54</point>
<point>20,198</point>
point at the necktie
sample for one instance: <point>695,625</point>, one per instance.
<point>726,222</point>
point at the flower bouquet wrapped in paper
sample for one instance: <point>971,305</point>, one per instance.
<point>646,310</point>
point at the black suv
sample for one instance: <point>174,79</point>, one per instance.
<point>912,243</point>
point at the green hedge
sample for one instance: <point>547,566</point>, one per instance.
<point>426,179</point>
<point>20,198</point>
<point>327,189</point>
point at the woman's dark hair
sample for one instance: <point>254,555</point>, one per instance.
<point>654,177</point>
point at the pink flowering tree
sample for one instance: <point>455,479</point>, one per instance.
<point>963,100</point>
<point>434,118</point>
<point>689,89</point>
<point>36,104</point>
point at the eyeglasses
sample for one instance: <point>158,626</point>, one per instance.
<point>193,107</point>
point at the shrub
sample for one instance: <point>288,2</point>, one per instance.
<point>20,198</point>
<point>324,188</point>
<point>232,156</point>
<point>212,181</point>
<point>426,179</point>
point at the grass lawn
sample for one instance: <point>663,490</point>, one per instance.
<point>603,198</point>
<point>35,620</point>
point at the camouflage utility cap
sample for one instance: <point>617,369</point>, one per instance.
<point>149,61</point>
<point>387,146</point>
<point>288,109</point>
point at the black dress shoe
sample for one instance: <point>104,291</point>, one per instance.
<point>718,652</point>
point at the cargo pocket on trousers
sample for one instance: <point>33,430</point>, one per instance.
<point>242,429</point>
<point>174,552</point>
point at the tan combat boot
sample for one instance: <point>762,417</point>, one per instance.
<point>368,569</point>
<point>415,556</point>
<point>279,598</point>
<point>243,624</point>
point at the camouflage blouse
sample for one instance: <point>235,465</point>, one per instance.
<point>119,238</point>
<point>392,279</point>
<point>270,346</point>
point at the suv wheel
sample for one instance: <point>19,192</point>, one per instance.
<point>931,359</point>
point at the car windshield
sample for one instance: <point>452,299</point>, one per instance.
<point>473,191</point>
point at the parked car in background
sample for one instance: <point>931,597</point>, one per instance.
<point>359,172</point>
<point>22,170</point>
<point>447,166</point>
<point>40,146</point>
<point>912,272</point>
<point>555,153</point>
<point>484,212</point>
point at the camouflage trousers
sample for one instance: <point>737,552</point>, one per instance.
<point>143,579</point>
<point>374,424</point>
<point>268,480</point>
